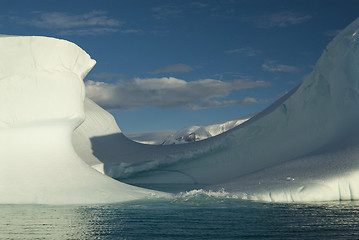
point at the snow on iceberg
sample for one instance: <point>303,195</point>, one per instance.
<point>41,103</point>
<point>304,147</point>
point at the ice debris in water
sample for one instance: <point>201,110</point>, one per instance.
<point>204,196</point>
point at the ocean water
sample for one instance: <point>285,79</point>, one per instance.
<point>194,215</point>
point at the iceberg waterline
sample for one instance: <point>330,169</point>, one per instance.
<point>304,147</point>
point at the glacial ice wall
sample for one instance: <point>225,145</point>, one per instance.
<point>41,103</point>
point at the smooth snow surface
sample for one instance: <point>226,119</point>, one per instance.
<point>304,147</point>
<point>41,103</point>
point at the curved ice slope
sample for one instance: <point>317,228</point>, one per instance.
<point>309,134</point>
<point>41,103</point>
<point>98,122</point>
<point>322,176</point>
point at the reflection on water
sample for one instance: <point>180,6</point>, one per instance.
<point>41,222</point>
<point>182,218</point>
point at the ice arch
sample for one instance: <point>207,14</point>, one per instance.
<point>41,103</point>
<point>307,141</point>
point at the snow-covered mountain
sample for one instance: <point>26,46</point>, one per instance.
<point>197,133</point>
<point>184,135</point>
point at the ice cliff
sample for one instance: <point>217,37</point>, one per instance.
<point>304,147</point>
<point>41,103</point>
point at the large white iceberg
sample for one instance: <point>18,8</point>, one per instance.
<point>304,147</point>
<point>41,103</point>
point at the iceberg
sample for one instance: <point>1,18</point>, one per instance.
<point>41,103</point>
<point>304,147</point>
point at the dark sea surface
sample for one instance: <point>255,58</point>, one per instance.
<point>196,215</point>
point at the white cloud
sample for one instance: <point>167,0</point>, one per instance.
<point>272,66</point>
<point>247,51</point>
<point>87,32</point>
<point>225,103</point>
<point>279,19</point>
<point>92,23</point>
<point>167,93</point>
<point>132,31</point>
<point>64,20</point>
<point>173,68</point>
<point>166,11</point>
<point>198,4</point>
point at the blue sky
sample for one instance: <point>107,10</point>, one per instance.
<point>172,64</point>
